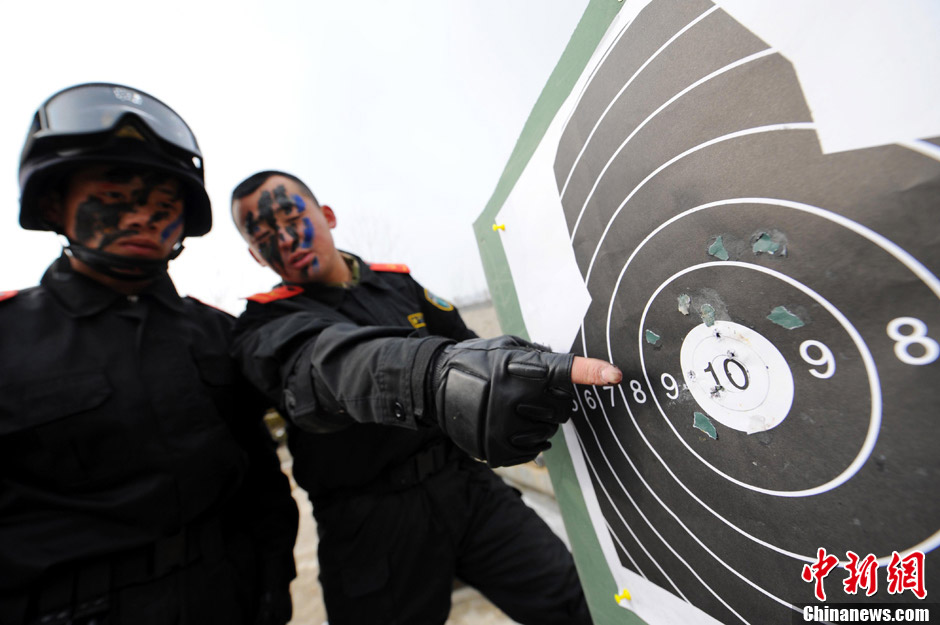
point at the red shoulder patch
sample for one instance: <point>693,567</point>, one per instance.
<point>390,267</point>
<point>282,292</point>
<point>7,294</point>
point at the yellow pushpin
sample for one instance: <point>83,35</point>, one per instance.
<point>624,595</point>
<point>499,227</point>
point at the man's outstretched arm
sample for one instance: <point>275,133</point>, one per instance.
<point>500,399</point>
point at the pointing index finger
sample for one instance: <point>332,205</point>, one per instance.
<point>594,371</point>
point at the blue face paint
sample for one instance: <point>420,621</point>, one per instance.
<point>299,203</point>
<point>168,231</point>
<point>308,234</point>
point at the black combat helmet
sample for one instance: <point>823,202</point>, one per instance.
<point>107,123</point>
<point>102,123</point>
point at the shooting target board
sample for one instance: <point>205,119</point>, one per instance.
<point>739,205</point>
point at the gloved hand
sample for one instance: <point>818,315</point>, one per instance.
<point>274,608</point>
<point>500,399</point>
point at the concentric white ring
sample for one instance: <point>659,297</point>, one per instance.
<point>874,422</point>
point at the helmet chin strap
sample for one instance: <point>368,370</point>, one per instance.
<point>120,267</point>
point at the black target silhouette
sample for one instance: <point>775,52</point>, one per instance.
<point>753,288</point>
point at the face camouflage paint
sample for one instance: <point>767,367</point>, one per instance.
<point>102,212</point>
<point>281,217</point>
<point>308,233</point>
<point>266,209</point>
<point>307,243</point>
<point>291,231</point>
<point>171,228</point>
<point>268,247</point>
<point>270,252</point>
<point>251,225</point>
<point>95,216</point>
<point>283,203</point>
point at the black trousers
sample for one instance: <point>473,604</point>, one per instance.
<point>392,558</point>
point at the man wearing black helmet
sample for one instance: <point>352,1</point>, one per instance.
<point>137,484</point>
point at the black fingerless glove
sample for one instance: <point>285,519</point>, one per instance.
<point>501,399</point>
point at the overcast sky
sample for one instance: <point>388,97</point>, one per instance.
<point>398,114</point>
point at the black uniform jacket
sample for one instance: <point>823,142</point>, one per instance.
<point>122,420</point>
<point>343,363</point>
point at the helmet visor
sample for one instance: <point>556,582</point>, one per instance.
<point>98,107</point>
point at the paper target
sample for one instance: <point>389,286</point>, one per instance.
<point>775,310</point>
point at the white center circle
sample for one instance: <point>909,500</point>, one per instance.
<point>737,376</point>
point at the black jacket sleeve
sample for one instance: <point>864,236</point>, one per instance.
<point>322,370</point>
<point>266,509</point>
<point>262,512</point>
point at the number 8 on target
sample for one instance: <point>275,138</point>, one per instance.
<point>916,336</point>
